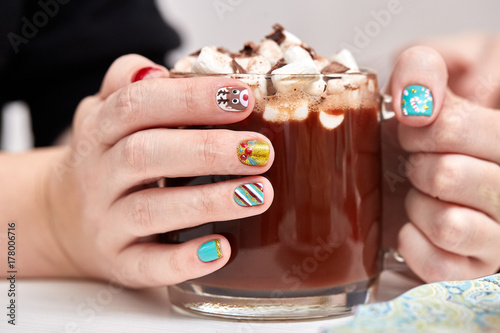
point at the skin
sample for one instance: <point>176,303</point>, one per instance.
<point>90,209</point>
<point>452,164</point>
<point>92,206</point>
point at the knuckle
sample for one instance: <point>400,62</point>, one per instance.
<point>450,127</point>
<point>450,230</point>
<point>188,91</point>
<point>141,212</point>
<point>205,204</point>
<point>445,178</point>
<point>128,104</point>
<point>209,141</point>
<point>176,270</point>
<point>146,269</point>
<point>134,151</point>
<point>436,271</point>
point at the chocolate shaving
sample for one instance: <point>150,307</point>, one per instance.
<point>311,51</point>
<point>195,53</point>
<point>334,67</point>
<point>277,35</point>
<point>280,63</point>
<point>249,49</point>
<point>223,50</point>
<point>237,67</point>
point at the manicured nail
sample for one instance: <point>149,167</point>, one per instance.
<point>253,152</point>
<point>210,251</point>
<point>232,98</point>
<point>249,195</point>
<point>417,101</point>
<point>148,73</point>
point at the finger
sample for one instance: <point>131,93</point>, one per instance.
<point>480,84</point>
<point>153,265</point>
<point>418,85</point>
<point>173,103</point>
<point>128,69</point>
<point>176,153</point>
<point>461,53</point>
<point>433,264</point>
<point>462,128</point>
<point>459,179</point>
<point>454,228</point>
<point>160,210</point>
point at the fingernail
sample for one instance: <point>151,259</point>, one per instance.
<point>148,73</point>
<point>417,101</point>
<point>253,152</point>
<point>210,251</point>
<point>232,98</point>
<point>249,195</point>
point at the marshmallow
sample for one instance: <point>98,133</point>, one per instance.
<point>321,62</point>
<point>290,40</point>
<point>258,65</point>
<point>302,110</point>
<point>185,65</point>
<point>242,61</point>
<point>271,50</point>
<point>286,78</point>
<point>273,114</point>
<point>330,121</point>
<point>256,81</point>
<point>296,53</point>
<point>334,87</point>
<point>315,88</point>
<point>346,58</point>
<point>212,61</point>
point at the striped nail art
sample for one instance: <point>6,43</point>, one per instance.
<point>253,152</point>
<point>417,101</point>
<point>248,195</point>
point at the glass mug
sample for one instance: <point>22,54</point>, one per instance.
<point>316,252</point>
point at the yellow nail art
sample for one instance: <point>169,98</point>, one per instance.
<point>253,152</point>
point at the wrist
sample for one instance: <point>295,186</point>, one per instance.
<point>26,178</point>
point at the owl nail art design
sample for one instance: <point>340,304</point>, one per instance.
<point>232,98</point>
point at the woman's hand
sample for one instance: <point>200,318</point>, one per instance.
<point>473,68</point>
<point>454,144</point>
<point>104,207</point>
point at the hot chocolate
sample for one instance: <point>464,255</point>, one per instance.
<point>321,235</point>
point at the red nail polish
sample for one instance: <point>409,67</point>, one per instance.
<point>147,73</point>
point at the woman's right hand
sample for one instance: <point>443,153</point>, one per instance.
<point>104,209</point>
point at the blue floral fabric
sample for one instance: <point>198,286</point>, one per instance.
<point>456,306</point>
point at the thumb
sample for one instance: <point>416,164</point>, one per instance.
<point>128,69</point>
<point>418,86</point>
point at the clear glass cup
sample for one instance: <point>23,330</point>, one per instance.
<point>317,251</point>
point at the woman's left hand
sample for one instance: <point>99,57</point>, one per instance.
<point>454,168</point>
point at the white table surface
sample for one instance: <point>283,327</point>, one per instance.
<point>85,306</point>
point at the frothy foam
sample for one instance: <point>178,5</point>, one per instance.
<point>289,79</point>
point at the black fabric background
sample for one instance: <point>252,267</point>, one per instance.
<point>69,56</point>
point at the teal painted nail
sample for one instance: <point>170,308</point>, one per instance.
<point>417,101</point>
<point>210,251</point>
<point>249,195</point>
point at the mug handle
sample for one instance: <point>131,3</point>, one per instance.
<point>391,258</point>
